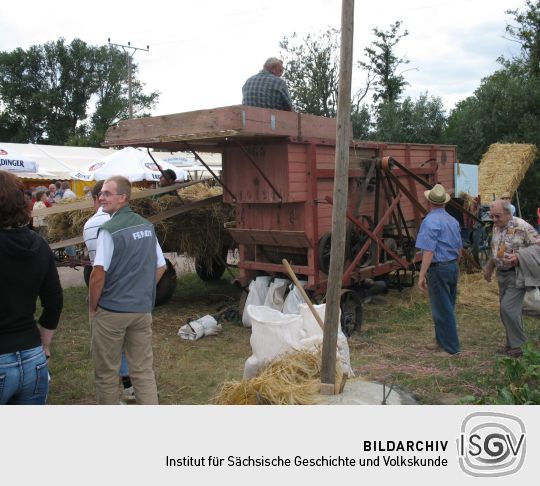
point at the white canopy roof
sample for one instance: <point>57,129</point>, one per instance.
<point>133,163</point>
<point>60,162</point>
<point>55,161</point>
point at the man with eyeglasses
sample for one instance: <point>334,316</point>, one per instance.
<point>127,266</point>
<point>515,248</point>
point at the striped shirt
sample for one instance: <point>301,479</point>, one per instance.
<point>90,232</point>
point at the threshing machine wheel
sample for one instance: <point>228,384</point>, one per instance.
<point>323,252</point>
<point>353,243</point>
<point>166,285</point>
<point>351,312</point>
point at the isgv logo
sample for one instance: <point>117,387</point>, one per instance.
<point>491,444</point>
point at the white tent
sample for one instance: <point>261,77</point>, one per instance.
<point>12,161</point>
<point>59,162</point>
<point>133,163</point>
<point>55,161</point>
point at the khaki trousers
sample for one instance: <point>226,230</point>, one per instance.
<point>112,332</point>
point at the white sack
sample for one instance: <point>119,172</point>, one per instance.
<point>272,334</point>
<point>294,299</point>
<point>531,302</point>
<point>312,336</point>
<point>258,289</point>
<point>276,294</point>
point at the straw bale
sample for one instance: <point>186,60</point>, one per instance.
<point>503,167</point>
<point>291,379</point>
<point>198,233</point>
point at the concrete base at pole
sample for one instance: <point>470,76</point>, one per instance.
<point>362,392</point>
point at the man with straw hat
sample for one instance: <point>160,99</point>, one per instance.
<point>439,239</point>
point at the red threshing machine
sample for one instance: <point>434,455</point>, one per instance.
<point>278,172</point>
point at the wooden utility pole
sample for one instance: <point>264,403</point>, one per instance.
<point>129,56</point>
<point>339,209</point>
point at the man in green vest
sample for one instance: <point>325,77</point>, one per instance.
<point>127,266</point>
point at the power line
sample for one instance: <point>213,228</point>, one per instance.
<point>130,52</point>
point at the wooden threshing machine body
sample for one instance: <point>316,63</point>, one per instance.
<point>278,172</point>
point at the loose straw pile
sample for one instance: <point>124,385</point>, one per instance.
<point>291,379</point>
<point>474,291</point>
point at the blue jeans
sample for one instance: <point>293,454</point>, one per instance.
<point>24,377</point>
<point>442,281</point>
<point>123,366</point>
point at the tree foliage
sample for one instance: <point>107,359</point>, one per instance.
<point>312,72</point>
<point>61,93</point>
<point>505,108</point>
<point>411,121</point>
<point>527,33</point>
<point>384,63</point>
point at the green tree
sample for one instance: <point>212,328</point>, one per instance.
<point>527,33</point>
<point>384,63</point>
<point>61,93</point>
<point>312,71</point>
<point>411,121</point>
<point>505,108</point>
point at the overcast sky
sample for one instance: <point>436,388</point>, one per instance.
<point>201,51</point>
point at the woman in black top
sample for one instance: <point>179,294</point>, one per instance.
<point>27,271</point>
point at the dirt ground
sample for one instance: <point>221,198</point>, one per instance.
<point>73,277</point>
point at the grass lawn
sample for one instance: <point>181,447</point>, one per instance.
<point>390,347</point>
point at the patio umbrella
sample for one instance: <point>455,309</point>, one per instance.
<point>130,162</point>
<point>14,162</point>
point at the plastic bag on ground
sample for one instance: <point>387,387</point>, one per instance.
<point>258,289</point>
<point>272,333</point>
<point>294,299</point>
<point>276,293</point>
<point>204,326</point>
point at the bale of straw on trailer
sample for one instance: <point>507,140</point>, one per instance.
<point>291,379</point>
<point>70,224</point>
<point>198,233</point>
<point>503,167</point>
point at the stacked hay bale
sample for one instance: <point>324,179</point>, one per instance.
<point>198,233</point>
<point>502,169</point>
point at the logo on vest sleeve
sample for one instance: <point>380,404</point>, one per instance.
<point>141,234</point>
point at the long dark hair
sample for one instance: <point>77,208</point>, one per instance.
<point>14,210</point>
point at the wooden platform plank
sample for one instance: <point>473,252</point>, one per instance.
<point>219,124</point>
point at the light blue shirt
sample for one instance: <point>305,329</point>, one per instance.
<point>440,234</point>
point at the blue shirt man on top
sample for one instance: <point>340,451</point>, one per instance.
<point>440,240</point>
